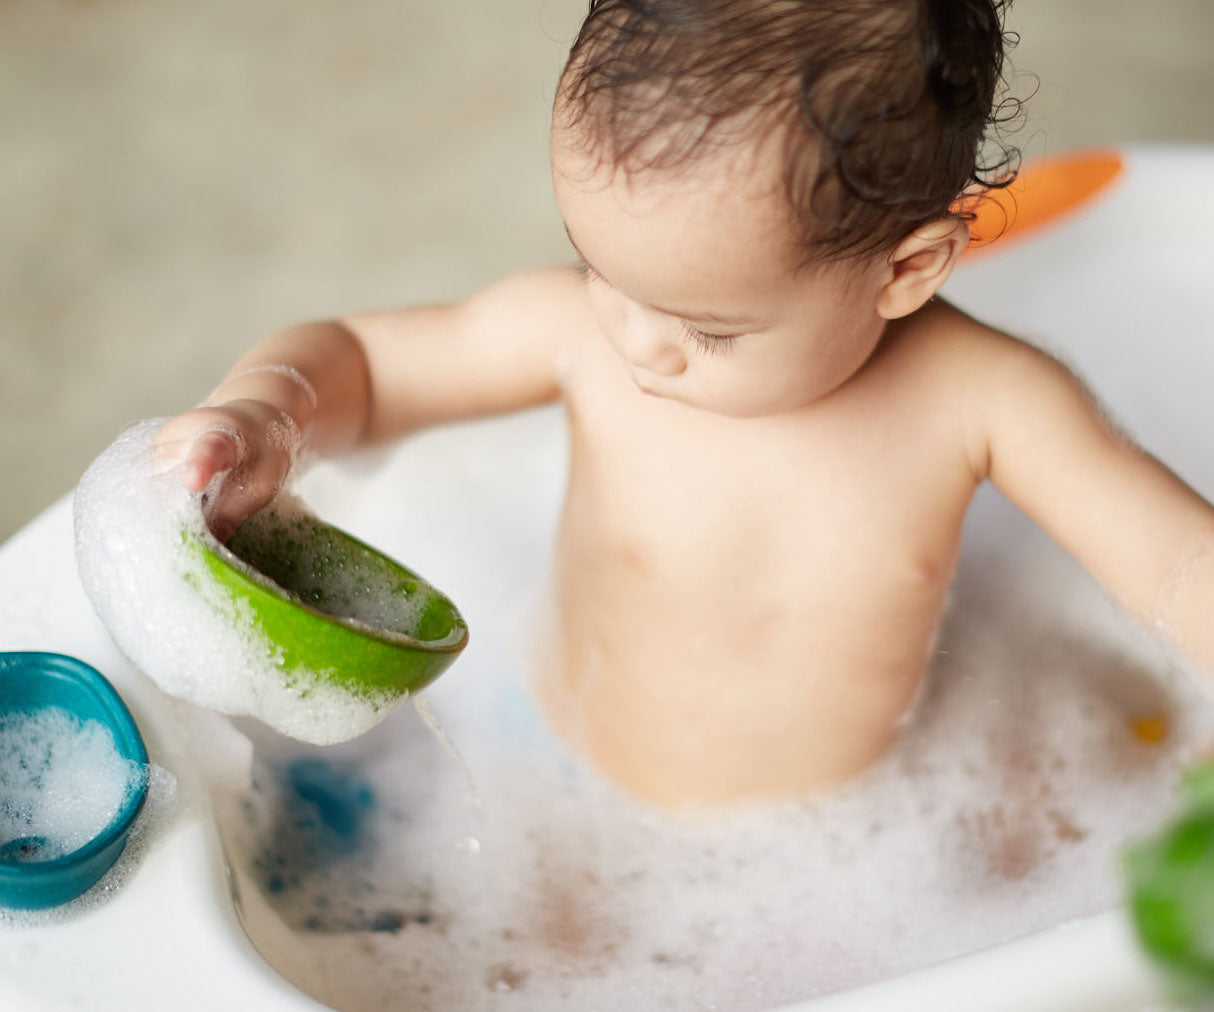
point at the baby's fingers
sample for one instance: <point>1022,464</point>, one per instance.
<point>211,453</point>
<point>200,450</point>
<point>235,441</point>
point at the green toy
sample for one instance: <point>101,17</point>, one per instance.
<point>1171,882</point>
<point>333,607</point>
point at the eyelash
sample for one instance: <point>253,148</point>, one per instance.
<point>710,344</point>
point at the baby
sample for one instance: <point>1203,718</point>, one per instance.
<point>776,427</point>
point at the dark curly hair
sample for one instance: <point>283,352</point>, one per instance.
<point>889,105</point>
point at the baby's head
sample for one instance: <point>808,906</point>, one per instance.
<point>747,169</point>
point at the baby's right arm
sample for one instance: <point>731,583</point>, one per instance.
<point>370,377</point>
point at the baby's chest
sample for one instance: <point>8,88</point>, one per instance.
<point>705,506</point>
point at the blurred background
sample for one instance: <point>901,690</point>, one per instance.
<point>178,179</point>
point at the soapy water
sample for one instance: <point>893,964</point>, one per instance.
<point>322,575</point>
<point>1035,751</point>
<point>62,783</point>
<point>137,532</point>
<point>999,813</point>
<point>159,811</point>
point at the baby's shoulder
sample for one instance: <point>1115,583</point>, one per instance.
<point>984,378</point>
<point>941,340</point>
<point>539,315</point>
<point>546,297</point>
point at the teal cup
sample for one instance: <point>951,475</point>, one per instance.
<point>32,683</point>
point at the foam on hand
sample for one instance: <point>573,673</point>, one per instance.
<point>138,531</point>
<point>62,782</point>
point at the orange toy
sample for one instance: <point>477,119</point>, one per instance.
<point>1044,192</point>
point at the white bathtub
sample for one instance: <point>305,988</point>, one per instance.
<point>1131,315</point>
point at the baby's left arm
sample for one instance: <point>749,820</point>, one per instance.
<point>1141,531</point>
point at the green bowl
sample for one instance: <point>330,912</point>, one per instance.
<point>1171,891</point>
<point>332,607</point>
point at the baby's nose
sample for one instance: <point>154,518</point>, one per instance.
<point>651,341</point>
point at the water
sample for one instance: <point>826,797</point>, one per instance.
<point>1052,728</point>
<point>999,813</point>
<point>62,783</point>
<point>1048,735</point>
<point>283,541</point>
<point>158,814</point>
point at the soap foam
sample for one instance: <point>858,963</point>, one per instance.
<point>999,813</point>
<point>158,813</point>
<point>136,537</point>
<point>62,782</point>
<point>368,596</point>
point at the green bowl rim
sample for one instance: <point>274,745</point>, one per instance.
<point>389,637</point>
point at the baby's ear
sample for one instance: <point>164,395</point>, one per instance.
<point>920,264</point>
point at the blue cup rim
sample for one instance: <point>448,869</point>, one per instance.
<point>129,745</point>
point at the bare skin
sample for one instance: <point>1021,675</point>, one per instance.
<point>763,515</point>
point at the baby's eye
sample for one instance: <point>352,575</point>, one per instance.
<point>712,344</point>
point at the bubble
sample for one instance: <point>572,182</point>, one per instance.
<point>137,533</point>
<point>62,783</point>
<point>999,813</point>
<point>158,814</point>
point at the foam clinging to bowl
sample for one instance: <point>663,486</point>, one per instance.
<point>138,538</point>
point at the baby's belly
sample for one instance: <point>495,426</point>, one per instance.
<point>701,666</point>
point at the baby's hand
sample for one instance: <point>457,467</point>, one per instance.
<point>251,440</point>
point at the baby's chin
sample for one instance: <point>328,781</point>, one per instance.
<point>726,408</point>
<point>751,405</point>
<point>771,405</point>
